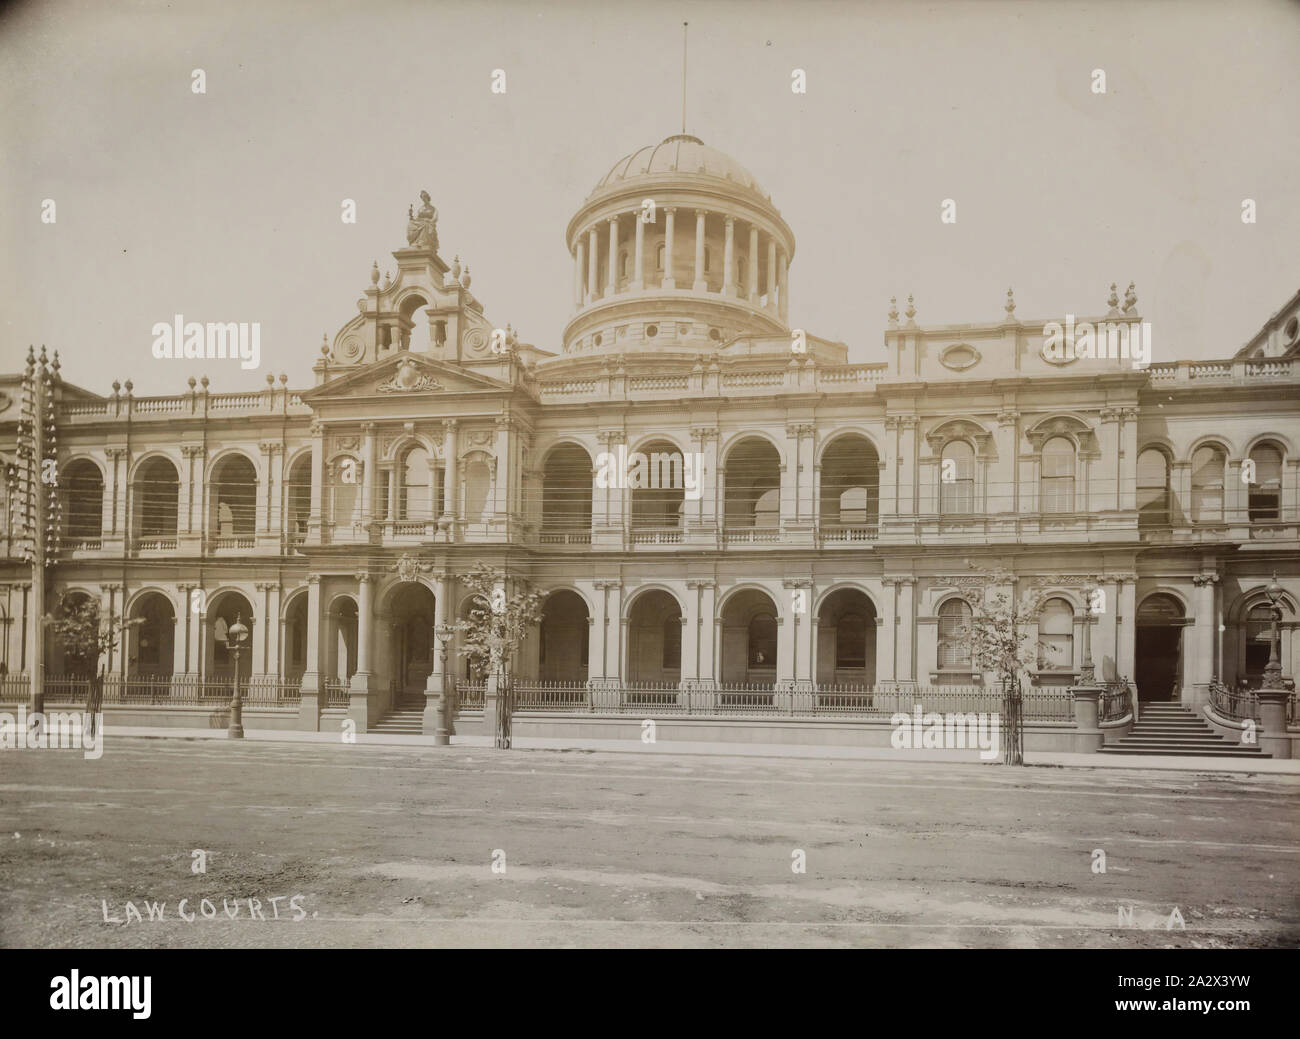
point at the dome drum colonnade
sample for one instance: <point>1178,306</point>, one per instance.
<point>651,189</point>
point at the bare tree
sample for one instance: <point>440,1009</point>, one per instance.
<point>498,624</point>
<point>1001,642</point>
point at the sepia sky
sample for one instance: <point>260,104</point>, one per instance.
<point>225,206</point>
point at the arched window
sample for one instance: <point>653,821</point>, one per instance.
<point>1056,636</point>
<point>1056,484</point>
<point>659,257</point>
<point>344,484</point>
<point>954,636</point>
<point>762,640</point>
<point>1266,488</point>
<point>83,493</point>
<point>851,641</point>
<point>672,657</point>
<point>1207,484</point>
<point>957,478</point>
<point>413,502</point>
<point>622,265</point>
<point>1153,489</point>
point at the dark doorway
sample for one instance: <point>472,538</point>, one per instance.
<point>1158,651</point>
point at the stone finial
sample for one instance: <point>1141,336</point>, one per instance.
<point>893,311</point>
<point>910,311</point>
<point>202,382</point>
<point>270,379</point>
<point>324,345</point>
<point>455,268</point>
<point>1113,302</point>
<point>1010,306</point>
<point>191,381</point>
<point>284,379</point>
<point>117,387</point>
<point>1130,299</point>
<point>129,387</point>
<point>388,279</point>
<point>465,278</point>
<point>374,273</point>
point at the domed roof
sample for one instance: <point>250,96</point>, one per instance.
<point>680,153</point>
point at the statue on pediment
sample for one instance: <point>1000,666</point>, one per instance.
<point>422,227</point>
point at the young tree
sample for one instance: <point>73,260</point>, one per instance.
<point>498,624</point>
<point>1001,643</point>
<point>85,638</point>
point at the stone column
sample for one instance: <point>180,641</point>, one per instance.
<point>580,258</point>
<point>611,286</point>
<point>181,637</point>
<point>691,634</point>
<point>669,282</point>
<point>436,699</point>
<point>751,290</point>
<point>309,709</point>
<point>451,463</point>
<point>638,261</point>
<point>783,282</point>
<point>593,250</point>
<point>700,284</point>
<point>1204,633</point>
<point>370,473</point>
<point>610,635</point>
<point>803,666</point>
<point>315,521</point>
<point>596,634</point>
<point>771,273</point>
<point>1126,587</point>
<point>729,257</point>
<point>887,632</point>
<point>905,649</point>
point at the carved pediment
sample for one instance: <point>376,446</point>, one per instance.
<point>404,373</point>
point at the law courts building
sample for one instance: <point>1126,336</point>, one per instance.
<point>821,565</point>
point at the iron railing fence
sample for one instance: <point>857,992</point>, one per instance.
<point>469,694</point>
<point>170,691</point>
<point>1235,705</point>
<point>336,692</point>
<point>776,699</point>
<point>1115,701</point>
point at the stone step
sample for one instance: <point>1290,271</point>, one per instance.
<point>1229,752</point>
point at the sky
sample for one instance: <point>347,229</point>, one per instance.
<point>225,206</point>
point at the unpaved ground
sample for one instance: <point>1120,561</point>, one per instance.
<point>395,847</point>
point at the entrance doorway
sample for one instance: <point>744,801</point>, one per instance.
<point>1158,652</point>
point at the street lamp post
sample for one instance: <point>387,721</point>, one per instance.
<point>1273,669</point>
<point>441,736</point>
<point>1087,670</point>
<point>235,636</point>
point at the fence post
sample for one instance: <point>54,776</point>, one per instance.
<point>1087,736</point>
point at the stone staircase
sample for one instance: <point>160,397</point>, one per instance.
<point>405,719</point>
<point>1170,729</point>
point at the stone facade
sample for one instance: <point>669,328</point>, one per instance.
<point>834,521</point>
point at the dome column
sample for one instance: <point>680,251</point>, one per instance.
<point>669,282</point>
<point>580,256</point>
<point>752,288</point>
<point>771,273</point>
<point>593,247</point>
<point>611,286</point>
<point>783,291</point>
<point>700,284</point>
<point>638,275</point>
<point>729,258</point>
